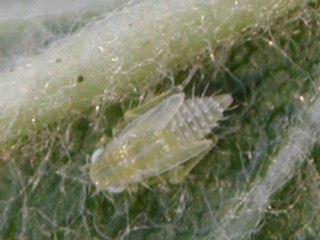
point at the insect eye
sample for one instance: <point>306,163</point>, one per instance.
<point>97,155</point>
<point>116,188</point>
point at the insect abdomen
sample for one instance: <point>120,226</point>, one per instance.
<point>196,117</point>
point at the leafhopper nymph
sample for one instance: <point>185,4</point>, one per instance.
<point>166,136</point>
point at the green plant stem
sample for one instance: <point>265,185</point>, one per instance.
<point>124,51</point>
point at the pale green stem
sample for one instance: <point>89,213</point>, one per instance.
<point>127,49</point>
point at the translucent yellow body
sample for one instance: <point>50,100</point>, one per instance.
<point>166,136</point>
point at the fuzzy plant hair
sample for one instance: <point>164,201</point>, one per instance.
<point>70,72</point>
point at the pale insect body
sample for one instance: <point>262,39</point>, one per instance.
<point>166,136</point>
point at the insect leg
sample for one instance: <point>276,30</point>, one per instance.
<point>178,174</point>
